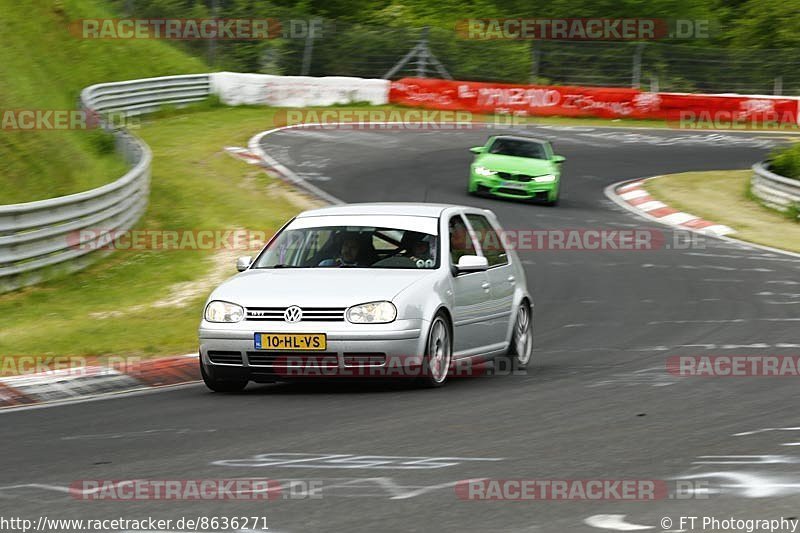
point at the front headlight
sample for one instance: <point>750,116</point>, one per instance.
<point>372,313</point>
<point>218,311</point>
<point>544,179</point>
<point>483,171</point>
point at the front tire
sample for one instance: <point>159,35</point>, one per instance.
<point>438,352</point>
<point>218,385</point>
<point>552,202</point>
<point>520,350</point>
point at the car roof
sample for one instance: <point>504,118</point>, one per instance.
<point>414,209</point>
<point>521,138</point>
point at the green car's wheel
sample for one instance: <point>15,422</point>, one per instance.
<point>552,200</point>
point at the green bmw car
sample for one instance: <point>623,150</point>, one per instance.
<point>509,166</point>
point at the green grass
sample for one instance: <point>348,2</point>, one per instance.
<point>195,185</point>
<point>720,196</point>
<point>786,161</point>
<point>43,66</point>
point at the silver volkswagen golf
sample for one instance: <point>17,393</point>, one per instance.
<point>392,289</point>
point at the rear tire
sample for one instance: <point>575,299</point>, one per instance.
<point>218,385</point>
<point>438,352</point>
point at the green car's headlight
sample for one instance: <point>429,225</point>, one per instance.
<point>483,171</point>
<point>372,313</point>
<point>219,311</point>
<point>544,179</point>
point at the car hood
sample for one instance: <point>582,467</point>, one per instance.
<point>515,165</point>
<point>315,287</point>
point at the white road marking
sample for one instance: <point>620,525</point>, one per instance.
<point>349,461</point>
<point>724,321</point>
<point>711,346</point>
<point>761,257</point>
<point>654,376</point>
<point>764,430</point>
<point>613,521</point>
<point>749,485</point>
<point>133,434</point>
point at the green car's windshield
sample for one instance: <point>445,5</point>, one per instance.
<point>518,148</point>
<point>351,246</point>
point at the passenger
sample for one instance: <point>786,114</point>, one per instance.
<point>415,246</point>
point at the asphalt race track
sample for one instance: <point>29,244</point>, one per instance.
<point>597,403</point>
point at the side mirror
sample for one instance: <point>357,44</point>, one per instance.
<point>476,149</point>
<point>243,263</point>
<point>559,158</point>
<point>472,263</point>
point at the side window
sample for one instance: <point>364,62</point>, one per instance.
<point>489,240</point>
<point>548,149</point>
<point>460,240</point>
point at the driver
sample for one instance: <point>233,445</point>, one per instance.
<point>348,253</point>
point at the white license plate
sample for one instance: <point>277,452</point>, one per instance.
<point>515,185</point>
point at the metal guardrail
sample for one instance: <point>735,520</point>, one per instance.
<point>774,190</point>
<point>41,239</point>
<point>137,97</point>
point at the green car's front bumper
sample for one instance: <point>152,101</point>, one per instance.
<point>504,188</point>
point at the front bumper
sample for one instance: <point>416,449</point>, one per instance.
<point>513,189</point>
<point>228,350</point>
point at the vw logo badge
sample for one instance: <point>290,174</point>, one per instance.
<point>293,314</point>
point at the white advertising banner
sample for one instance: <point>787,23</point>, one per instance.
<point>236,88</point>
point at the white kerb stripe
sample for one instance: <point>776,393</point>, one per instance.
<point>649,206</point>
<point>678,218</point>
<point>636,193</point>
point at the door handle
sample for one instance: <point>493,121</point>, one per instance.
<point>485,285</point>
<point>511,279</point>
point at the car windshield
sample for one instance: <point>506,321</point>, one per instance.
<point>351,246</point>
<point>518,148</point>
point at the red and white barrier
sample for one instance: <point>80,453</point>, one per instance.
<point>571,101</point>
